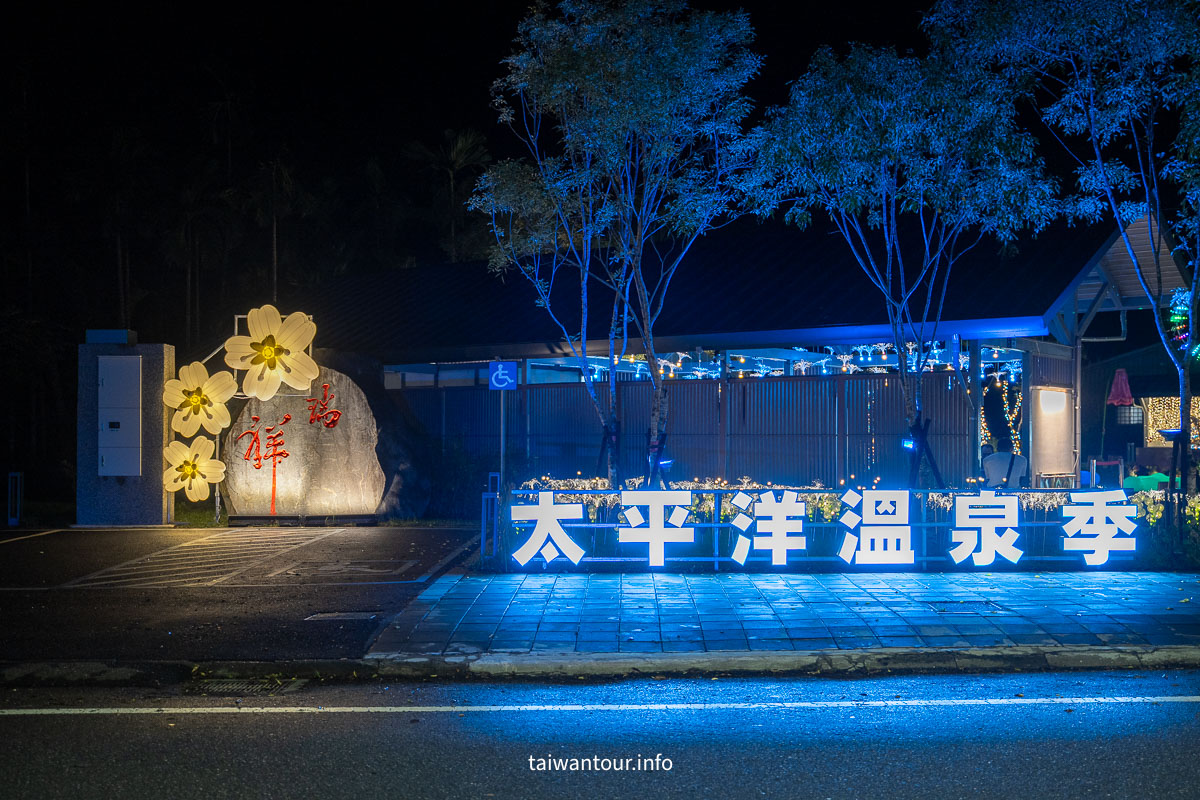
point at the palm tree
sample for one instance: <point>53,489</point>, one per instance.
<point>459,160</point>
<point>274,197</point>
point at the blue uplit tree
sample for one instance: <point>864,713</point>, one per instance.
<point>1107,78</point>
<point>915,161</point>
<point>632,116</point>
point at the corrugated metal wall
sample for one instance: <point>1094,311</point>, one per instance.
<point>794,430</point>
<point>1049,371</point>
<point>784,430</point>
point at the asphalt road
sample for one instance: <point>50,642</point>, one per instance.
<point>216,594</point>
<point>1044,736</point>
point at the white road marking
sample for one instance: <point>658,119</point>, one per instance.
<point>207,561</point>
<point>810,704</point>
<point>32,535</point>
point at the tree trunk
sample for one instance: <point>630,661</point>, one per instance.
<point>453,220</point>
<point>613,431</point>
<point>1185,447</point>
<point>658,424</point>
<point>121,299</point>
<point>274,258</point>
<point>187,300</point>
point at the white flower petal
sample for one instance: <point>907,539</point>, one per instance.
<point>220,387</point>
<point>202,448</point>
<point>176,453</point>
<point>238,352</point>
<point>173,393</point>
<point>197,490</point>
<point>212,469</point>
<point>193,375</point>
<point>298,370</point>
<point>261,382</point>
<point>263,322</point>
<point>186,423</point>
<point>216,418</point>
<point>297,332</point>
<point>170,480</point>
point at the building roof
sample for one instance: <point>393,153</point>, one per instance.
<point>750,284</point>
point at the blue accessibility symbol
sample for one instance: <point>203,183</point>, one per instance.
<point>502,375</point>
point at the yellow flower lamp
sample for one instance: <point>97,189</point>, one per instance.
<point>199,399</point>
<point>273,353</point>
<point>192,468</point>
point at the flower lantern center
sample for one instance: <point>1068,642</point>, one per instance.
<point>195,399</point>
<point>189,469</point>
<point>269,351</point>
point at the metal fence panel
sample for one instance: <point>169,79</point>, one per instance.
<point>563,429</point>
<point>783,430</point>
<point>797,430</point>
<point>693,427</point>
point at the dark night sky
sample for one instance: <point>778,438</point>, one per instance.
<point>328,88</point>
<point>338,83</point>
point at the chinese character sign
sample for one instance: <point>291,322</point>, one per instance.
<point>886,538</point>
<point>977,521</point>
<point>1095,523</point>
<point>548,536</point>
<point>776,520</point>
<point>660,529</point>
<point>274,453</point>
<point>875,528</point>
<point>319,410</point>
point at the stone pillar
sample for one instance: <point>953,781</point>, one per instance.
<point>122,485</point>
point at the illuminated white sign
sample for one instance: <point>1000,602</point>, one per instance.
<point>886,538</point>
<point>548,536</point>
<point>1094,525</point>
<point>776,520</point>
<point>977,521</point>
<point>878,530</point>
<point>660,529</point>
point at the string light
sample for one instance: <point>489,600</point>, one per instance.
<point>1011,414</point>
<point>1162,413</point>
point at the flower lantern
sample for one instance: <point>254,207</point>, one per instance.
<point>199,399</point>
<point>273,353</point>
<point>192,468</point>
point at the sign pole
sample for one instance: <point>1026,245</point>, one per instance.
<point>502,439</point>
<point>502,377</point>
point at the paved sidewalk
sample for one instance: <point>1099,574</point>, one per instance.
<point>474,614</point>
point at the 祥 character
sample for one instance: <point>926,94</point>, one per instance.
<point>275,452</point>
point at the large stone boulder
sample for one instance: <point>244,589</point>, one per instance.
<point>402,447</point>
<point>330,437</point>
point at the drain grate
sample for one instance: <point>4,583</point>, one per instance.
<point>961,606</point>
<point>239,688</point>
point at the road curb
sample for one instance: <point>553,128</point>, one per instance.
<point>830,663</point>
<point>866,661</point>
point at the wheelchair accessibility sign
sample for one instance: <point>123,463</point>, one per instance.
<point>502,375</point>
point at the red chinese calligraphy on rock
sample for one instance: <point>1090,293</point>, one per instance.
<point>319,409</point>
<point>274,452</point>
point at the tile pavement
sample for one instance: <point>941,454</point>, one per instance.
<point>661,612</point>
